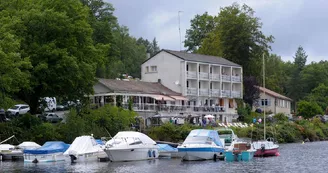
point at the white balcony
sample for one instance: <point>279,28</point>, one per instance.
<point>225,93</point>
<point>235,78</point>
<point>236,94</point>
<point>191,91</point>
<point>203,92</point>
<point>215,92</point>
<point>215,77</point>
<point>203,75</point>
<point>226,78</point>
<point>191,75</point>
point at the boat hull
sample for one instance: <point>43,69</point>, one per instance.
<point>241,156</point>
<point>12,155</point>
<point>131,154</point>
<point>266,152</point>
<point>169,154</point>
<point>203,153</point>
<point>87,157</point>
<point>36,158</point>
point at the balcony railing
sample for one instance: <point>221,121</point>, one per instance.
<point>203,75</point>
<point>235,78</point>
<point>150,107</point>
<point>236,94</point>
<point>203,92</point>
<point>191,75</point>
<point>225,93</point>
<point>191,91</point>
<point>226,78</point>
<point>215,77</point>
<point>215,92</point>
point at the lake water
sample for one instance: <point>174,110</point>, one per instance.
<point>308,157</point>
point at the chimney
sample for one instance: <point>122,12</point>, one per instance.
<point>148,55</point>
<point>159,81</point>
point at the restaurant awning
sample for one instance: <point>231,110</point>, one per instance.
<point>179,98</point>
<point>162,97</point>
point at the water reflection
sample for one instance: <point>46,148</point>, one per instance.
<point>310,157</point>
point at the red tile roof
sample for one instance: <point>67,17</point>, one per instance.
<point>274,94</point>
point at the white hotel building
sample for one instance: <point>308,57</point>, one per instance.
<point>208,82</point>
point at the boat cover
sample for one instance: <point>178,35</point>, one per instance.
<point>100,142</point>
<point>49,148</point>
<point>167,147</point>
<point>29,145</point>
<point>82,145</point>
<point>202,136</point>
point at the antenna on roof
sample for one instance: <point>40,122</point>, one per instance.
<point>179,28</point>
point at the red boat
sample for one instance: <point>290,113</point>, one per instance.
<point>265,149</point>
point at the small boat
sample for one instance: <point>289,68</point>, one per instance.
<point>201,144</point>
<point>229,138</point>
<point>49,152</point>
<point>85,148</point>
<point>166,150</point>
<point>241,151</point>
<point>265,148</point>
<point>131,146</point>
<point>10,152</point>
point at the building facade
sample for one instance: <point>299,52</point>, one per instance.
<point>274,102</point>
<point>206,81</point>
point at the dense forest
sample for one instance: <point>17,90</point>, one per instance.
<point>235,34</point>
<point>57,48</point>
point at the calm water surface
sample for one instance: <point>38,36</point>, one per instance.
<point>309,157</point>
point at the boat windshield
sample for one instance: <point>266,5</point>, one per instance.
<point>198,140</point>
<point>126,140</point>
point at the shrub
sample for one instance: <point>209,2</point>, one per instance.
<point>308,109</point>
<point>280,117</point>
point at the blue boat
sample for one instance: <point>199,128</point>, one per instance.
<point>49,152</point>
<point>242,151</point>
<point>201,144</point>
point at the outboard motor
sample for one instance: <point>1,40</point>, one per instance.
<point>262,147</point>
<point>35,161</point>
<point>73,158</point>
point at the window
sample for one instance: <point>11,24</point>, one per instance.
<point>187,84</point>
<point>265,102</point>
<point>153,68</point>
<point>187,67</point>
<point>147,69</point>
<point>231,103</point>
<point>211,85</point>
<point>210,69</point>
<point>198,84</point>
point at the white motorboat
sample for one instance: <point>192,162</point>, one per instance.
<point>10,152</point>
<point>85,148</point>
<point>131,146</point>
<point>201,144</point>
<point>49,152</point>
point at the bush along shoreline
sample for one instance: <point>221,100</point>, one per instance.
<point>283,131</point>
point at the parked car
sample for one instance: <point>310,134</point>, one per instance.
<point>60,108</point>
<point>51,117</point>
<point>19,109</point>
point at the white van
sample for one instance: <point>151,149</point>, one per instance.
<point>51,104</point>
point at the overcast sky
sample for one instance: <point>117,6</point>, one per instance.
<point>291,22</point>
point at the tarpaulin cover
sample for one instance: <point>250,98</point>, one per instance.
<point>49,148</point>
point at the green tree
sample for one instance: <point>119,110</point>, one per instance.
<point>313,75</point>
<point>14,74</point>
<point>239,36</point>
<point>200,27</point>
<point>295,86</point>
<point>57,38</point>
<point>308,109</point>
<point>319,95</point>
